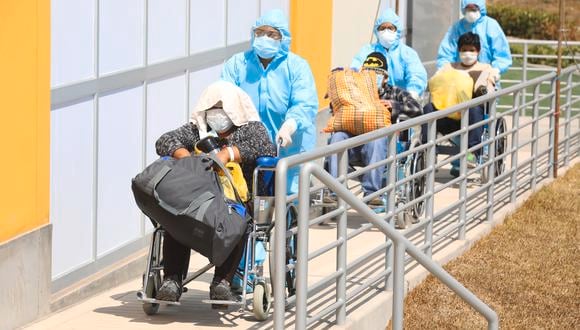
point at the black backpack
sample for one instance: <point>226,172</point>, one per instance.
<point>186,198</point>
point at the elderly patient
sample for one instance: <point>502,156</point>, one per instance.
<point>228,112</point>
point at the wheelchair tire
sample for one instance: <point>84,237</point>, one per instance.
<point>500,147</point>
<point>262,301</point>
<point>418,184</point>
<point>291,246</point>
<point>150,291</point>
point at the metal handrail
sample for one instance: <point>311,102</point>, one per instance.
<point>394,253</point>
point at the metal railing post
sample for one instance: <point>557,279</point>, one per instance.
<point>302,253</point>
<point>535,133</point>
<point>279,245</point>
<point>398,285</point>
<point>514,148</point>
<point>341,234</point>
<point>391,207</point>
<point>568,110</point>
<point>431,157</point>
<point>463,146</point>
<point>492,156</point>
<point>553,127</point>
<point>525,74</point>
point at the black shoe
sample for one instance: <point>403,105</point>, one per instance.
<point>221,291</point>
<point>170,289</point>
<point>454,172</point>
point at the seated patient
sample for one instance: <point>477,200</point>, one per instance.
<point>227,111</point>
<point>483,78</point>
<point>402,103</point>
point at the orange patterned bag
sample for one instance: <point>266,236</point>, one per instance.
<point>355,103</point>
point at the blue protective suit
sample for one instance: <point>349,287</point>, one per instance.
<point>495,49</point>
<point>284,89</point>
<point>405,68</point>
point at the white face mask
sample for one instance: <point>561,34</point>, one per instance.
<point>218,120</point>
<point>468,58</point>
<point>387,38</point>
<point>472,16</point>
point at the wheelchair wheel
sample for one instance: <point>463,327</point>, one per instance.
<point>151,292</point>
<point>418,184</point>
<point>500,147</point>
<point>291,250</point>
<point>262,301</point>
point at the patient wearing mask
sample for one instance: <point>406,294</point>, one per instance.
<point>227,111</point>
<point>483,74</point>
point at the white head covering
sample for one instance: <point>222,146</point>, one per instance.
<point>236,103</point>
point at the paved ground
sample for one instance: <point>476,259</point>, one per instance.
<point>119,308</point>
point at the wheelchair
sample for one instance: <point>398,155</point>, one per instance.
<point>414,162</point>
<point>451,147</point>
<point>261,230</point>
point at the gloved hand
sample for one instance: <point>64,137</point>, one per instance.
<point>495,74</point>
<point>415,95</point>
<point>286,131</point>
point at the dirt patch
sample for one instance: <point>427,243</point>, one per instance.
<point>527,270</point>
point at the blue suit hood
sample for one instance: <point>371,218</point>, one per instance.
<point>389,16</point>
<point>276,19</point>
<point>479,3</point>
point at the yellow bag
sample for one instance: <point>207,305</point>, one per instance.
<point>238,178</point>
<point>355,103</point>
<point>449,87</point>
<point>239,182</point>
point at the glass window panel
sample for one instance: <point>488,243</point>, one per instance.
<point>120,152</point>
<point>242,14</point>
<point>71,186</point>
<point>208,25</point>
<point>72,39</point>
<point>166,29</point>
<point>120,35</point>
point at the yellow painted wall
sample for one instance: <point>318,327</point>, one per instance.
<point>24,115</point>
<point>311,29</point>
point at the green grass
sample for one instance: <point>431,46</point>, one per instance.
<point>544,88</point>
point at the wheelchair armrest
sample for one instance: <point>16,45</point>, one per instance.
<point>267,161</point>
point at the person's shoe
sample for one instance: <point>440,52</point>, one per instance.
<point>377,201</point>
<point>221,291</point>
<point>471,160</point>
<point>329,199</point>
<point>454,172</point>
<point>170,289</point>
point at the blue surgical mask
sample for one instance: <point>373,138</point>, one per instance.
<point>266,47</point>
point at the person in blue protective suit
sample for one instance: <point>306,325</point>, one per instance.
<point>495,49</point>
<point>404,66</point>
<point>281,86</point>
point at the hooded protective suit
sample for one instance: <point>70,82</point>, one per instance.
<point>284,90</point>
<point>404,66</point>
<point>495,49</point>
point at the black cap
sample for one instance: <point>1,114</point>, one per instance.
<point>375,61</point>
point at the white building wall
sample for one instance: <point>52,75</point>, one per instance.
<point>103,52</point>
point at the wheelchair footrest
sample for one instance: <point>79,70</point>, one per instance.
<point>222,302</point>
<point>155,301</point>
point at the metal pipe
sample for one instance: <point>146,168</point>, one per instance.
<point>279,244</point>
<point>398,285</point>
<point>514,149</point>
<point>302,255</point>
<point>558,76</point>
<point>341,235</point>
<point>462,171</point>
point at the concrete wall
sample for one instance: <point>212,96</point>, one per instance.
<point>25,278</point>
